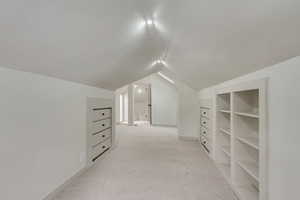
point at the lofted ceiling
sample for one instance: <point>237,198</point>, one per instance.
<point>108,44</point>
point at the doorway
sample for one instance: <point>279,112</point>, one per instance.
<point>142,104</point>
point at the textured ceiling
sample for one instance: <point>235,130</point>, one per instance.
<point>106,43</point>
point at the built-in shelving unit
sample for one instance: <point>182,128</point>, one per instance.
<point>223,134</point>
<point>240,138</point>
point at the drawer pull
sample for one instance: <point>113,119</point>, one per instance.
<point>103,114</point>
<point>103,147</point>
<point>204,122</point>
<point>204,113</point>
<point>103,124</point>
<point>103,135</point>
<point>204,142</point>
<point>204,132</point>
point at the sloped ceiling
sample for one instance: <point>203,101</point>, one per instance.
<point>107,44</point>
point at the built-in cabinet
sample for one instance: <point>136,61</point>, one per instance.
<point>100,128</point>
<point>205,136</point>
<point>240,138</point>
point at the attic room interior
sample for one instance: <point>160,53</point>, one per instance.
<point>149,99</point>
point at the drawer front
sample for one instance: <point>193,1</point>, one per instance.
<point>205,112</point>
<point>204,122</point>
<point>101,125</point>
<point>101,114</point>
<point>204,131</point>
<point>100,137</point>
<point>204,140</point>
<point>100,148</point>
<point>206,143</point>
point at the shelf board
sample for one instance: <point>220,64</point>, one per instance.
<point>247,192</point>
<point>226,150</point>
<point>245,114</point>
<point>225,111</point>
<point>226,131</point>
<point>251,141</point>
<point>251,168</point>
<point>225,169</point>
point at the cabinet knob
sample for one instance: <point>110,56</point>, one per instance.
<point>103,124</point>
<point>103,114</point>
<point>204,113</point>
<point>103,135</point>
<point>103,147</point>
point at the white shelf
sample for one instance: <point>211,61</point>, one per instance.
<point>245,114</point>
<point>251,141</point>
<point>247,193</point>
<point>226,131</point>
<point>226,150</point>
<point>225,111</point>
<point>251,168</point>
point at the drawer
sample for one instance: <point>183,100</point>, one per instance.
<point>204,122</point>
<point>101,114</point>
<point>204,140</point>
<point>100,137</point>
<point>101,125</point>
<point>204,131</point>
<point>100,148</point>
<point>205,112</point>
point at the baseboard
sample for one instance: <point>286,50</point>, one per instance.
<point>187,138</point>
<point>60,188</point>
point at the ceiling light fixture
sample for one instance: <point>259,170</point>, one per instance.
<point>165,77</point>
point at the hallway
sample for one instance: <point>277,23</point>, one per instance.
<point>150,164</point>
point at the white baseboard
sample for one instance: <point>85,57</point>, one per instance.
<point>187,138</point>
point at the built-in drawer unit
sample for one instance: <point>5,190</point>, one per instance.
<point>205,129</point>
<point>101,114</point>
<point>101,125</point>
<point>100,128</point>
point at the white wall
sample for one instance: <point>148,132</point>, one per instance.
<point>43,127</point>
<point>164,99</point>
<point>284,120</point>
<point>188,112</point>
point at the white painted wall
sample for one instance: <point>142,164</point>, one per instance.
<point>164,99</point>
<point>43,127</point>
<point>188,112</point>
<point>283,119</point>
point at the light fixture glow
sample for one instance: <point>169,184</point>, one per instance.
<point>165,77</point>
<point>159,62</point>
<point>140,91</point>
<point>150,22</point>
